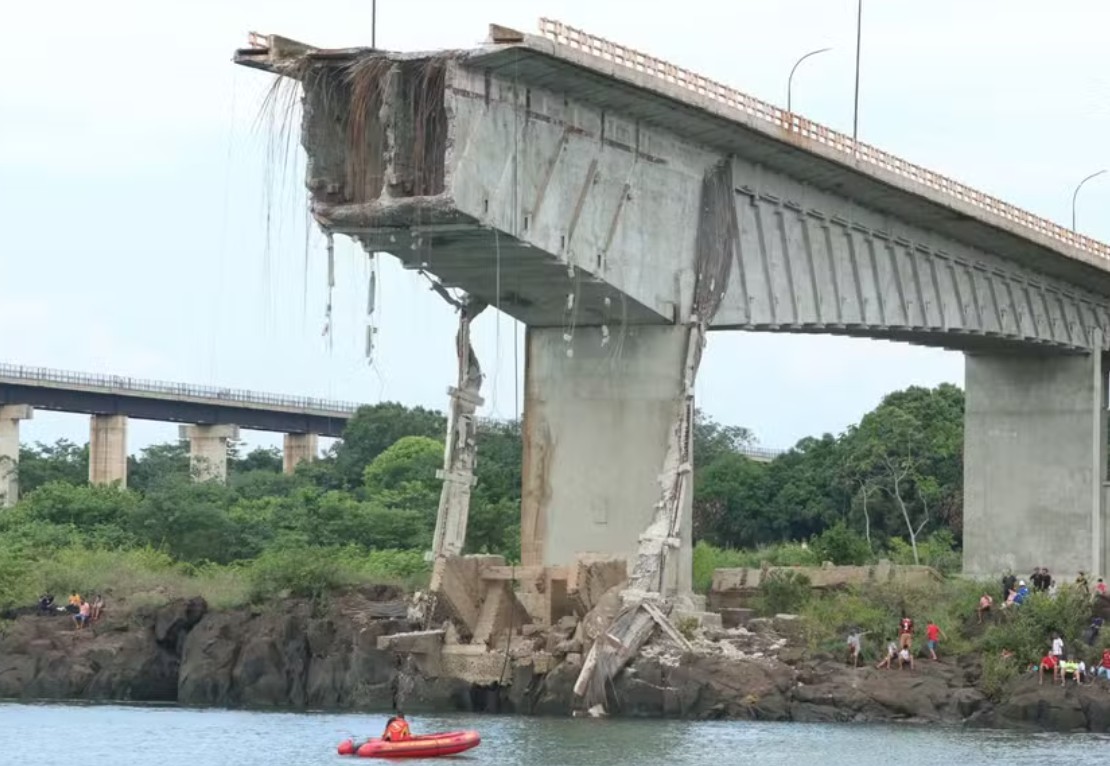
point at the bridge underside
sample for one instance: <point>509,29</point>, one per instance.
<point>571,193</point>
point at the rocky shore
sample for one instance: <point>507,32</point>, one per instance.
<point>302,655</point>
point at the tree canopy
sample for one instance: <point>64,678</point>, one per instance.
<point>888,483</point>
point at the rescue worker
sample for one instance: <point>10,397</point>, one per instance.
<point>397,729</point>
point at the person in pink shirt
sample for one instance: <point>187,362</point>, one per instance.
<point>82,616</point>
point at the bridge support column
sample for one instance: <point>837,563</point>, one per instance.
<point>596,430</point>
<point>108,449</point>
<point>10,415</point>
<point>1035,464</point>
<point>208,450</point>
<point>299,448</point>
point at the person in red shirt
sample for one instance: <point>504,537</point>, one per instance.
<point>933,634</point>
<point>1048,662</point>
<point>905,633</point>
<point>1104,668</point>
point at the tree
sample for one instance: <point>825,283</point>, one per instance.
<point>712,440</point>
<point>62,461</point>
<point>258,459</point>
<point>404,476</point>
<point>158,463</point>
<point>890,450</point>
<point>374,428</point>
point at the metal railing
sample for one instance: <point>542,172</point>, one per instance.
<point>120,384</point>
<point>614,53</point>
<point>762,453</point>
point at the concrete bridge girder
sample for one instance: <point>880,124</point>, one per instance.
<point>548,189</point>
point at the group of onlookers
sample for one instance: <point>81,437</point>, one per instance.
<point>84,612</point>
<point>901,652</point>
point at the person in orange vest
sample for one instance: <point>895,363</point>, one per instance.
<point>397,729</point>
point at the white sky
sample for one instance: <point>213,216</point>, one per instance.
<point>134,191</point>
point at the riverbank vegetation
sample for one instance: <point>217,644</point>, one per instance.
<point>888,487</point>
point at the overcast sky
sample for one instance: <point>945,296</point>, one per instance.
<point>135,185</point>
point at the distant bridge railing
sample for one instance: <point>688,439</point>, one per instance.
<point>141,386</point>
<point>615,53</point>
<point>761,453</point>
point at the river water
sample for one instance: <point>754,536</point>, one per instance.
<point>45,735</point>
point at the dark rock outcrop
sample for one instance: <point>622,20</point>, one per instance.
<point>325,656</point>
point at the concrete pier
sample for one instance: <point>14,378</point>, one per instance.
<point>1035,464</point>
<point>108,449</point>
<point>297,449</point>
<point>596,428</point>
<point>10,416</point>
<point>208,450</point>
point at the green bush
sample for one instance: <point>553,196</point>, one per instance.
<point>312,571</point>
<point>998,672</point>
<point>783,591</point>
<point>842,546</point>
<point>708,558</point>
<point>1027,630</point>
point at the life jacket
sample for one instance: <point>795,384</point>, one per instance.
<point>397,730</point>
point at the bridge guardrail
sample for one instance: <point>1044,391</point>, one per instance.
<point>641,62</point>
<point>144,386</point>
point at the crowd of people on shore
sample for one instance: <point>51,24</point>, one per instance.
<point>1061,666</point>
<point>83,612</point>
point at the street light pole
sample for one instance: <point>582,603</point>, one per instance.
<point>374,24</point>
<point>790,80</point>
<point>859,37</point>
<point>1076,194</point>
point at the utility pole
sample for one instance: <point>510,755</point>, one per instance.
<point>859,37</point>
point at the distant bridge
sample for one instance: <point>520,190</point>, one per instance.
<point>213,416</point>
<point>65,391</point>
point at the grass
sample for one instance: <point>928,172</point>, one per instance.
<point>146,577</point>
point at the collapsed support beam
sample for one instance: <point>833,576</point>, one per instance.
<point>1035,464</point>
<point>108,449</point>
<point>297,449</point>
<point>10,415</point>
<point>208,450</point>
<point>597,425</point>
<point>461,445</point>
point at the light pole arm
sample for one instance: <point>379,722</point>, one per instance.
<point>1075,194</point>
<point>790,79</point>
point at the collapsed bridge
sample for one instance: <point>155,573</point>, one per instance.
<point>622,207</point>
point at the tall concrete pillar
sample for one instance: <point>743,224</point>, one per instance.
<point>299,448</point>
<point>1035,464</point>
<point>208,450</point>
<point>108,449</point>
<point>10,415</point>
<point>596,430</point>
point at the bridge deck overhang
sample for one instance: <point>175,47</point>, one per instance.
<point>459,231</point>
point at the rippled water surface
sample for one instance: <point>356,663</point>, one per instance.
<point>44,735</point>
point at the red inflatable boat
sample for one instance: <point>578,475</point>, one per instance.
<point>424,746</point>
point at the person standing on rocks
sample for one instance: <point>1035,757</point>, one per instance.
<point>854,646</point>
<point>1057,647</point>
<point>905,633</point>
<point>933,635</point>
